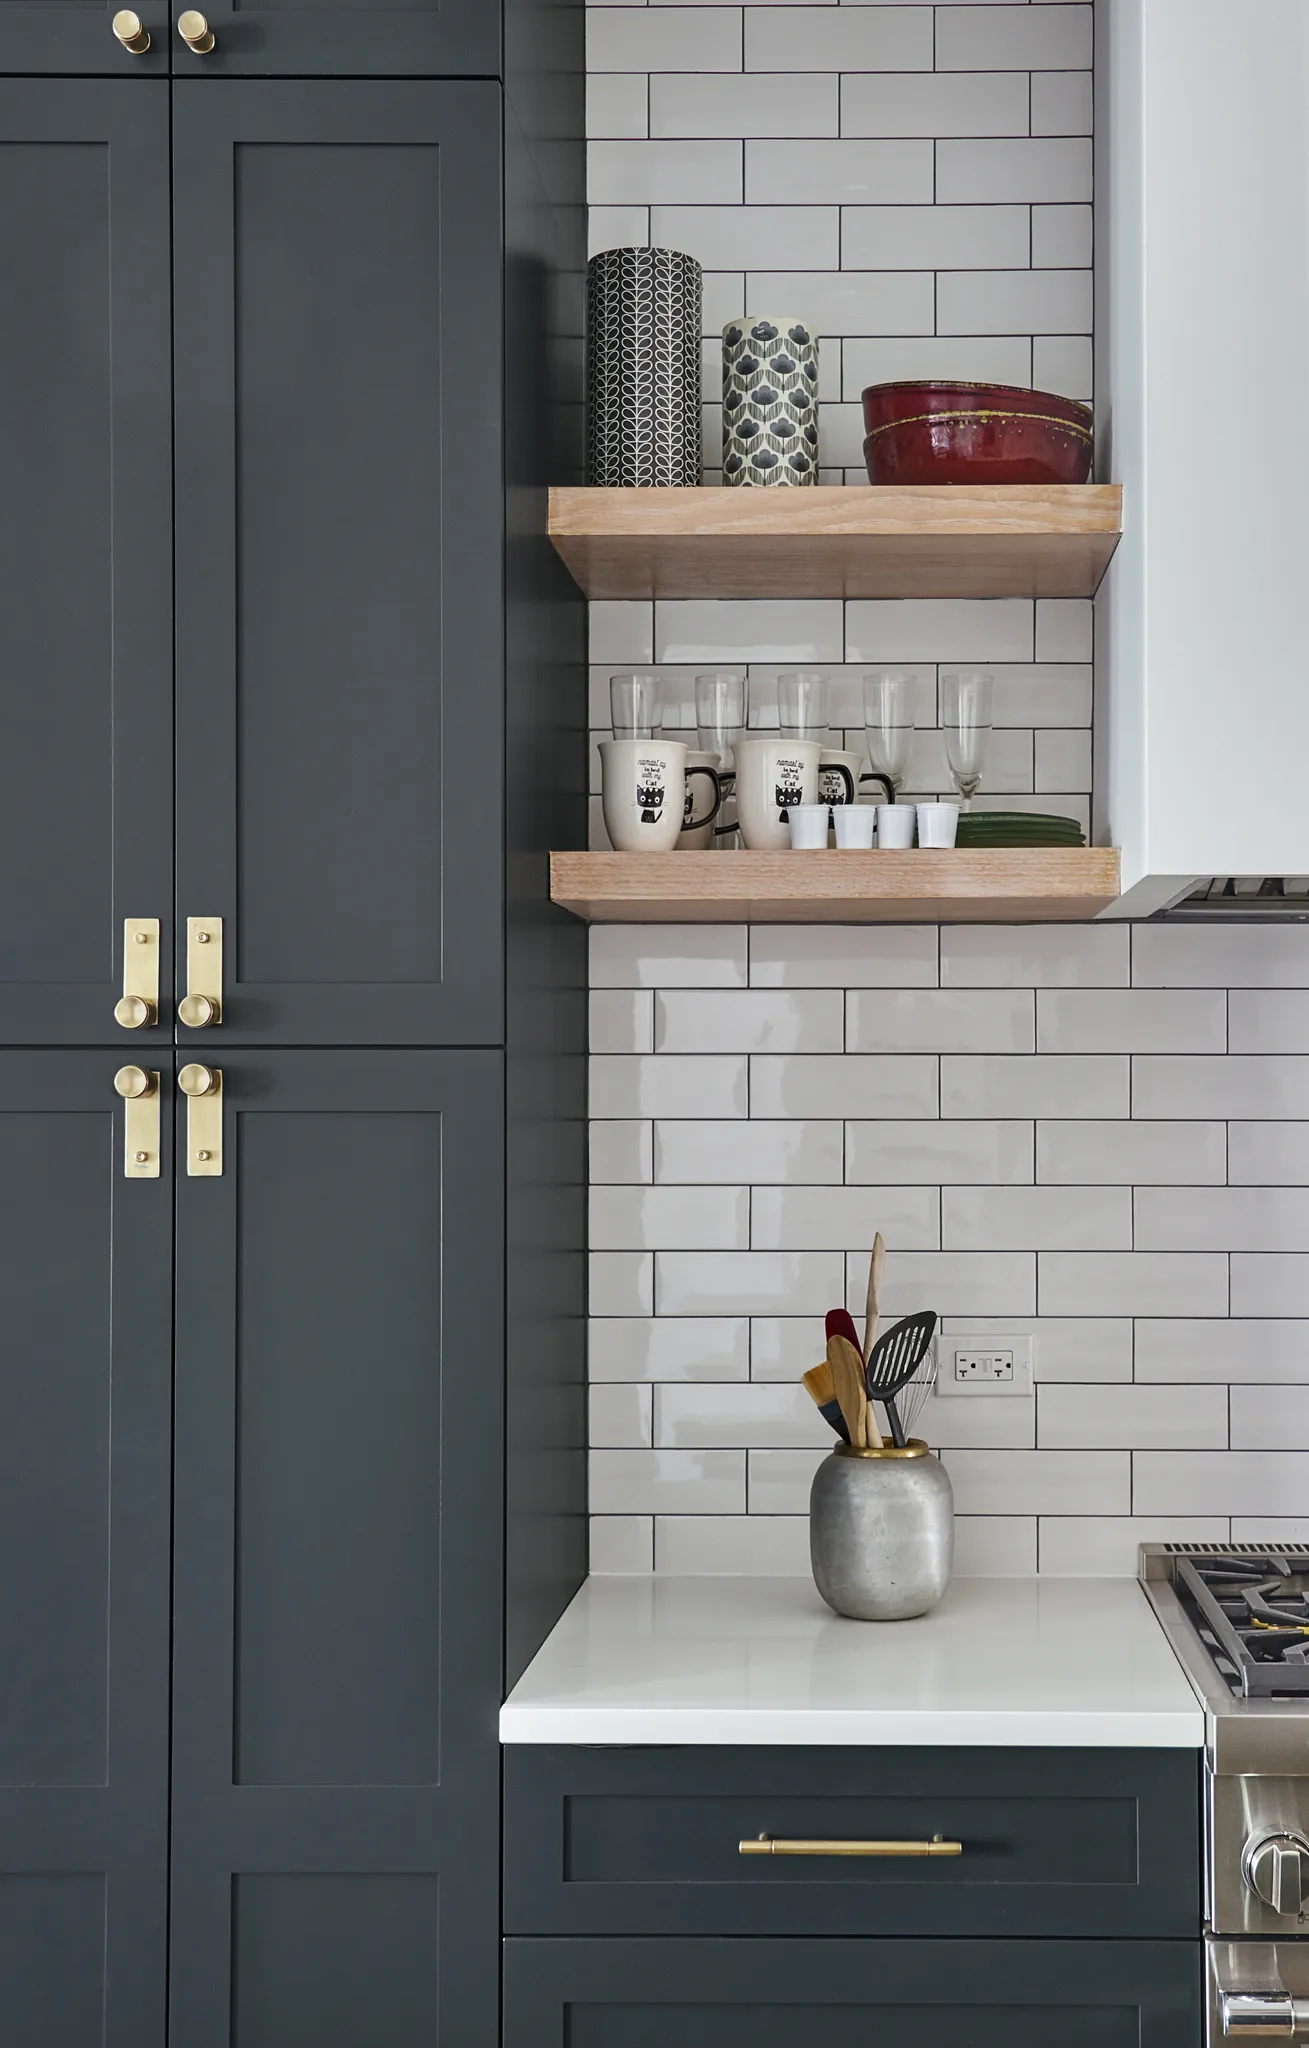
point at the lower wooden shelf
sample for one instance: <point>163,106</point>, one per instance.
<point>1029,885</point>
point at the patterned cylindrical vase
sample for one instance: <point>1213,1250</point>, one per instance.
<point>643,367</point>
<point>770,402</point>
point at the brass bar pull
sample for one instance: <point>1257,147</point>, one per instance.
<point>770,1845</point>
<point>195,32</point>
<point>203,1089</point>
<point>139,1088</point>
<point>203,1002</point>
<point>138,1005</point>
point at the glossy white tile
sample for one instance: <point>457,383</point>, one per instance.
<point>1090,1349</point>
<point>966,1284</point>
<point>1004,301</point>
<point>1061,237</point>
<point>750,238</point>
<point>784,1347</point>
<point>814,1219</point>
<point>1131,1418</point>
<point>663,39</point>
<point>1061,761</point>
<point>664,172</point>
<point>848,172</point>
<point>1220,1482</point>
<point>985,1424</point>
<point>1119,1153</point>
<point>617,104</point>
<point>895,629</point>
<point>996,171</point>
<point>843,956</point>
<point>660,1348</point>
<point>1014,38</point>
<point>670,1219</point>
<point>622,1543</point>
<point>667,956</point>
<point>1235,1087</point>
<point>1065,363</point>
<point>934,103</point>
<point>1133,1283</point>
<point>1039,1219</point>
<point>738,1417</point>
<point>1065,629</point>
<point>1035,956</point>
<point>1062,103</point>
<point>940,1020</point>
<point>747,1283</point>
<point>1131,1020</point>
<point>853,1085</point>
<point>784,1152</point>
<point>1270,1284</point>
<point>1269,1020</point>
<point>933,238</point>
<point>621,1020</point>
<point>667,1482</point>
<point>755,1020</point>
<point>1220,956</point>
<point>621,633</point>
<point>1041,1482</point>
<point>1268,1154</point>
<point>744,104</point>
<point>838,39</point>
<point>679,1085</point>
<point>994,1546</point>
<point>1005,359</point>
<point>737,630</point>
<point>620,1284</point>
<point>843,302</point>
<point>1050,694</point>
<point>965,1152</point>
<point>620,1152</point>
<point>775,1546</point>
<point>1222,1219</point>
<point>779,1481</point>
<point>1053,1085</point>
<point>1269,1418</point>
<point>1107,1546</point>
<point>620,1416</point>
<point>1230,1350</point>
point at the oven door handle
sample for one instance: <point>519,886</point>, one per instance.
<point>1263,2015</point>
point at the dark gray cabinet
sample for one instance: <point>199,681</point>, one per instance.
<point>85,544</point>
<point>336,1569</point>
<point>340,612</point>
<point>846,1994</point>
<point>65,36</point>
<point>85,1415</point>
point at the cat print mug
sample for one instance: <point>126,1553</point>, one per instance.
<point>773,775</point>
<point>644,785</point>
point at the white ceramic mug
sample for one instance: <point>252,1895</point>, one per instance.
<point>644,793</point>
<point>771,776</point>
<point>937,824</point>
<point>895,824</point>
<point>809,827</point>
<point>854,826</point>
<point>697,834</point>
<point>838,776</point>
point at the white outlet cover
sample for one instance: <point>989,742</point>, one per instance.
<point>1021,1342</point>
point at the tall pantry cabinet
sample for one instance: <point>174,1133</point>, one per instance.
<point>291,708</point>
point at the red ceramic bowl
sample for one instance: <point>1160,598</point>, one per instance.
<point>934,433</point>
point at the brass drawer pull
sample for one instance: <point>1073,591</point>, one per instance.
<point>770,1845</point>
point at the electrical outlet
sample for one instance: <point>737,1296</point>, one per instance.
<point>998,1363</point>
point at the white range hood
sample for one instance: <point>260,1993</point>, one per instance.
<point>1202,624</point>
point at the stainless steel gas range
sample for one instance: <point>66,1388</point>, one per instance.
<point>1238,1619</point>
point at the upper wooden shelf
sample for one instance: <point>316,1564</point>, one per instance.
<point>1019,885</point>
<point>1029,540</point>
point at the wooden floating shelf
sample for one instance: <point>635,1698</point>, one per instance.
<point>839,540</point>
<point>1027,885</point>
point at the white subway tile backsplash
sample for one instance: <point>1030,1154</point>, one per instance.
<point>617,227</point>
<point>812,1219</point>
<point>1014,38</point>
<point>647,173</point>
<point>1013,170</point>
<point>841,956</point>
<point>1131,1418</point>
<point>757,1415</point>
<point>793,1283</point>
<point>864,38</point>
<point>617,104</point>
<point>1064,363</point>
<point>1041,1482</point>
<point>622,1543</point>
<point>744,104</point>
<point>1222,1219</point>
<point>1232,1087</point>
<point>659,1348</point>
<point>620,1416</point>
<point>1269,1418</point>
<point>845,173</point>
<point>621,635</point>
<point>784,1153</point>
<point>994,1546</point>
<point>1234,1350</point>
<point>1131,1020</point>
<point>620,1151</point>
<point>755,1020</point>
<point>940,1020</point>
<point>1092,1349</point>
<point>736,630</point>
<point>784,1347</point>
<point>1006,301</point>
<point>895,630</point>
<point>677,1086</point>
<point>935,103</point>
<point>1132,1283</point>
<point>1107,1546</point>
<point>1061,761</point>
<point>749,238</point>
<point>985,1424</point>
<point>667,1482</point>
<point>1054,1085</point>
<point>1061,238</point>
<point>1268,1155</point>
<point>621,1020</point>
<point>848,302</point>
<point>1043,1219</point>
<point>663,39</point>
<point>1220,956</point>
<point>1220,1482</point>
<point>936,237</point>
<point>669,1219</point>
<point>853,1085</point>
<point>960,1284</point>
<point>668,956</point>
<point>620,1284</point>
<point>1045,694</point>
<point>1122,1153</point>
<point>1035,956</point>
<point>939,1153</point>
<point>689,1546</point>
<point>1062,103</point>
<point>1065,629</point>
<point>998,359</point>
<point>1269,1020</point>
<point>1270,1284</point>
<point>779,1481</point>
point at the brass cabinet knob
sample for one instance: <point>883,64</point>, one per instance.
<point>134,1012</point>
<point>132,32</point>
<point>197,1080</point>
<point>197,1011</point>
<point>133,1082</point>
<point>195,31</point>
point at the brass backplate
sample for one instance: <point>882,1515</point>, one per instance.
<point>141,1134</point>
<point>204,1132</point>
<point>204,960</point>
<point>141,960</point>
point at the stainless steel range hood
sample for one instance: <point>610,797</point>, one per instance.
<point>1249,899</point>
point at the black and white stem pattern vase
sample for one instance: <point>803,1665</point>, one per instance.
<point>770,402</point>
<point>643,368</point>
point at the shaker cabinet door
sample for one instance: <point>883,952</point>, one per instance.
<point>85,1410</point>
<point>851,1994</point>
<point>86,550</point>
<point>339,544</point>
<point>346,39</point>
<point>62,36</point>
<point>336,1562</point>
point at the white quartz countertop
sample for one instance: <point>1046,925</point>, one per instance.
<point>1048,1662</point>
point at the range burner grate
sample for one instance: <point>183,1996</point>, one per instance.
<point>1250,1607</point>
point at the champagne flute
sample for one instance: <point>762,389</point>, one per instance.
<point>966,699</point>
<point>889,725</point>
<point>636,705</point>
<point>804,704</point>
<point>720,716</point>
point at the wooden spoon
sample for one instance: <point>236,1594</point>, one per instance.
<point>876,1273</point>
<point>852,1394</point>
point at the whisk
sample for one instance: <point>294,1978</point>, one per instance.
<point>912,1397</point>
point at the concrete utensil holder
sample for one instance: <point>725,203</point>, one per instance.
<point>881,1531</point>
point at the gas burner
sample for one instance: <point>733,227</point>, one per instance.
<point>1251,1611</point>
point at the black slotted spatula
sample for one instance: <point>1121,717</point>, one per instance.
<point>894,1360</point>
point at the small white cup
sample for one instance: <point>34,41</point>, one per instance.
<point>853,824</point>
<point>937,824</point>
<point>895,824</point>
<point>809,827</point>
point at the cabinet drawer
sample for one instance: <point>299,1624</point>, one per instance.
<point>648,1841</point>
<point>850,1994</point>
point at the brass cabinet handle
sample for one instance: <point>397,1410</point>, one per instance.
<point>138,1006</point>
<point>134,1012</point>
<point>203,1088</point>
<point>203,1002</point>
<point>132,32</point>
<point>195,32</point>
<point>770,1845</point>
<point>139,1088</point>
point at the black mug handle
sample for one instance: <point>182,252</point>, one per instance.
<point>694,824</point>
<point>839,768</point>
<point>885,781</point>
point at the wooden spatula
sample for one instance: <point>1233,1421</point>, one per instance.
<point>876,1271</point>
<point>821,1389</point>
<point>852,1393</point>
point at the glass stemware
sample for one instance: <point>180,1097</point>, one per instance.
<point>803,704</point>
<point>720,712</point>
<point>636,705</point>
<point>889,723</point>
<point>966,701</point>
